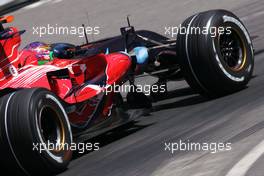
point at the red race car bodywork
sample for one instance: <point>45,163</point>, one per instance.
<point>74,80</point>
<point>60,93</point>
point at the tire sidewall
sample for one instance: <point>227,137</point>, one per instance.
<point>230,20</point>
<point>39,100</point>
<point>201,60</point>
<point>24,133</point>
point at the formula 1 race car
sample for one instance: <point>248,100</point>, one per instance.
<point>58,93</point>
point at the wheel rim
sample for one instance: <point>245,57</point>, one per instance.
<point>52,128</point>
<point>233,50</point>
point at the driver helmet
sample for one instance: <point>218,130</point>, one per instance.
<point>63,50</point>
<point>41,50</point>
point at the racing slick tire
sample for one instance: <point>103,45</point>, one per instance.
<point>33,123</point>
<point>215,63</point>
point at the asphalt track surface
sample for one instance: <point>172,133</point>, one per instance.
<point>138,149</point>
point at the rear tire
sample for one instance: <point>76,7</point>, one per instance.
<point>29,118</point>
<point>216,65</point>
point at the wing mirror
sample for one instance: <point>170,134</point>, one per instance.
<point>6,19</point>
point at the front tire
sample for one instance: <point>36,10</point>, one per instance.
<point>34,120</point>
<point>216,65</point>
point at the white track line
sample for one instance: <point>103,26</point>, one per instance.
<point>242,167</point>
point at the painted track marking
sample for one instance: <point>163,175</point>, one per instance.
<point>242,167</point>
